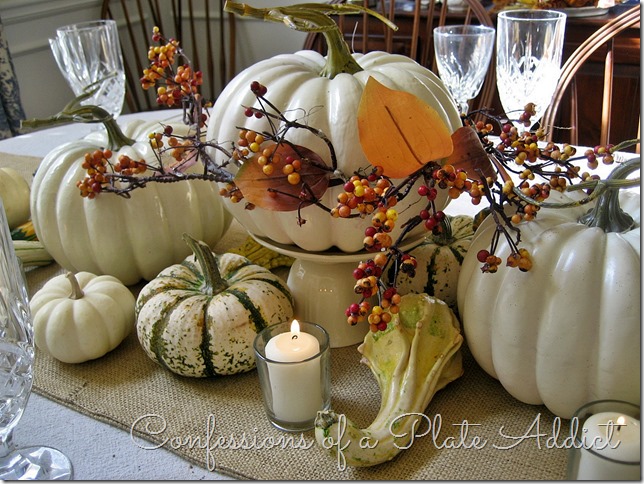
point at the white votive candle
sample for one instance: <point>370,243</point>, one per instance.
<point>295,383</point>
<point>611,444</point>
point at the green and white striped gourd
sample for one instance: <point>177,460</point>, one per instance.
<point>199,318</point>
<point>32,253</point>
<point>439,262</point>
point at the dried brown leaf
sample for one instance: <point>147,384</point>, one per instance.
<point>469,153</point>
<point>274,192</point>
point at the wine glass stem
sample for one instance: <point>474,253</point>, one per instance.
<point>6,443</point>
<point>463,106</point>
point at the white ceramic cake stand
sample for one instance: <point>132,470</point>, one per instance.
<point>322,286</point>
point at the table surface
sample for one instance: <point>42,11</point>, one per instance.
<point>97,450</point>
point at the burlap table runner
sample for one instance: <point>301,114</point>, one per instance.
<point>479,432</point>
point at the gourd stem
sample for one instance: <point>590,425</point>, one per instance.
<point>74,112</point>
<point>312,17</point>
<point>339,59</point>
<point>445,237</point>
<point>607,213</point>
<point>213,282</point>
<point>116,138</point>
<point>77,292</point>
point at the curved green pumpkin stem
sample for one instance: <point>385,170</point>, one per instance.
<point>213,282</point>
<point>75,112</point>
<point>445,237</point>
<point>314,17</point>
<point>607,213</point>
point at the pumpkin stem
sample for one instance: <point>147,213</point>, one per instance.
<point>607,213</point>
<point>213,282</point>
<point>445,237</point>
<point>77,292</point>
<point>74,112</point>
<point>314,18</point>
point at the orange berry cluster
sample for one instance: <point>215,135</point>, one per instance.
<point>526,211</point>
<point>249,141</point>
<point>128,167</point>
<point>390,302</point>
<point>180,148</point>
<point>376,236</point>
<point>367,276</point>
<point>357,313</point>
<point>476,192</point>
<point>520,259</point>
<point>96,165</point>
<point>559,179</point>
<point>526,153</point>
<point>603,152</point>
<point>482,127</point>
<point>374,195</point>
<point>252,146</point>
<point>453,179</point>
<point>231,192</point>
<point>491,262</point>
<point>382,314</point>
<point>529,110</point>
<point>370,195</point>
<point>563,153</point>
<point>267,156</point>
<point>172,86</point>
<point>361,196</point>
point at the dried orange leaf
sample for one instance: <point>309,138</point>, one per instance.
<point>399,131</point>
<point>283,196</point>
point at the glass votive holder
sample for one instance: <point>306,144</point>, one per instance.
<point>293,364</point>
<point>606,442</point>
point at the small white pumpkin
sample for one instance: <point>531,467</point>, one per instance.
<point>14,191</point>
<point>81,317</point>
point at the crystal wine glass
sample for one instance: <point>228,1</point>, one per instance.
<point>89,56</point>
<point>529,45</point>
<point>16,372</point>
<point>463,54</point>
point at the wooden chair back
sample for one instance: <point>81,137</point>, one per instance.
<point>602,41</point>
<point>206,34</point>
<point>414,38</point>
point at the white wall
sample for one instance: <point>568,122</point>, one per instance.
<point>29,23</point>
<point>27,26</point>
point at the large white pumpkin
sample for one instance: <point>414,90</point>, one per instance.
<point>296,88</point>
<point>567,332</point>
<point>130,239</point>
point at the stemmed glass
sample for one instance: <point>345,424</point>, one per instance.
<point>89,56</point>
<point>529,45</point>
<point>16,372</point>
<point>463,54</point>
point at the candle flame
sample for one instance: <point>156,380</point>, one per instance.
<point>620,421</point>
<point>295,327</point>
